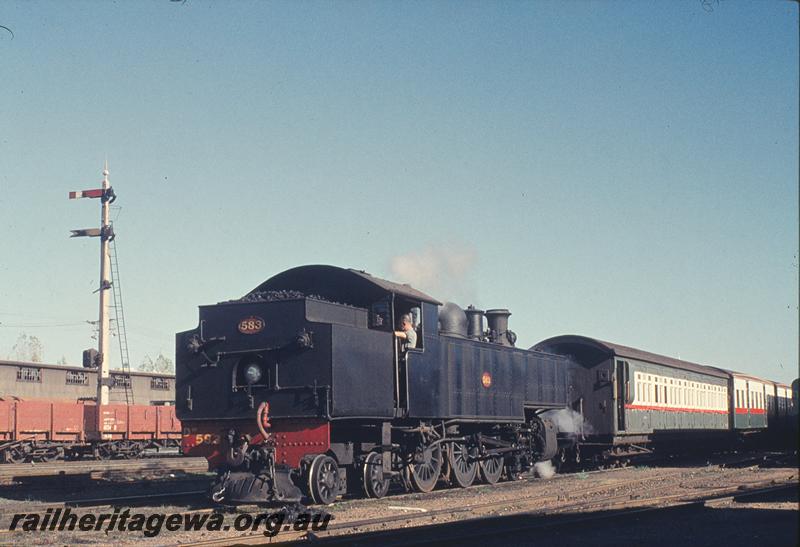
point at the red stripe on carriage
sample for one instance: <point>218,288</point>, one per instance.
<point>750,411</point>
<point>675,409</point>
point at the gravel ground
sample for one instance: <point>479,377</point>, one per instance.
<point>736,520</point>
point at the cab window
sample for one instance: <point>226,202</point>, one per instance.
<point>403,307</point>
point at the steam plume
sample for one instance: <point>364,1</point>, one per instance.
<point>441,271</point>
<point>544,469</point>
<point>568,421</point>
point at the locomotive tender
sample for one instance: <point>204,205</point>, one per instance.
<point>300,388</point>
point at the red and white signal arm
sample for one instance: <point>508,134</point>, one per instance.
<point>94,193</point>
<point>251,325</point>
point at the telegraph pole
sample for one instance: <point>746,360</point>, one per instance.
<point>106,234</point>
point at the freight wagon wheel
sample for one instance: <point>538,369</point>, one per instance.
<point>15,455</point>
<point>133,451</point>
<point>323,480</point>
<point>492,469</point>
<point>104,452</point>
<point>423,475</point>
<point>51,455</point>
<point>375,484</point>
<point>462,469</point>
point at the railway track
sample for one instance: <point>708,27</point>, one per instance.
<point>541,507</point>
<point>110,502</point>
<point>520,524</point>
<point>567,496</point>
<point>99,469</point>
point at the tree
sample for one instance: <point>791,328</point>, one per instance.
<point>162,364</point>
<point>27,348</point>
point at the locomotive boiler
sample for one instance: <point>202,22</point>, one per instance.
<point>301,389</point>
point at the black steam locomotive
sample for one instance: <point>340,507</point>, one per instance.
<point>301,388</point>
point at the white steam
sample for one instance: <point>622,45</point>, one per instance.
<point>441,271</point>
<point>544,469</point>
<point>568,421</point>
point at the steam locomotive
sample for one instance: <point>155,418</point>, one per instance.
<point>300,389</point>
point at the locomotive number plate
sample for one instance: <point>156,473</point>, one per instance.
<point>251,325</point>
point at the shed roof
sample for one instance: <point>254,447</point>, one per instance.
<point>76,368</point>
<point>349,286</point>
<point>592,351</point>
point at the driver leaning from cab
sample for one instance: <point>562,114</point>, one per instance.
<point>406,331</point>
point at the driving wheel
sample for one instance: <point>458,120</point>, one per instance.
<point>492,469</point>
<point>462,469</point>
<point>424,473</point>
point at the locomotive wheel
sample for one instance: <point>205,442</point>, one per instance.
<point>323,480</point>
<point>425,474</point>
<point>375,484</point>
<point>462,469</point>
<point>492,469</point>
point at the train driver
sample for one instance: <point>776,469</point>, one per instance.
<point>406,331</point>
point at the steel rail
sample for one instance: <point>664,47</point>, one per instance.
<point>181,464</point>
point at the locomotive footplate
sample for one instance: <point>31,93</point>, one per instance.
<point>237,488</point>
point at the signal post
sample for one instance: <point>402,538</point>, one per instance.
<point>106,234</point>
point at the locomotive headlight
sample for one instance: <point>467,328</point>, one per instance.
<point>252,373</point>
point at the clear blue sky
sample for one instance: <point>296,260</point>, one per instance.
<point>624,170</point>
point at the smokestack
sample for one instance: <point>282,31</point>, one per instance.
<point>498,327</point>
<point>474,323</point>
